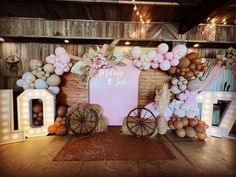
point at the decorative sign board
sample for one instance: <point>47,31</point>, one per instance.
<point>208,99</point>
<point>7,132</point>
<point>25,111</point>
<point>116,90</point>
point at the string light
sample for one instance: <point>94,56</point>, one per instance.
<point>139,15</point>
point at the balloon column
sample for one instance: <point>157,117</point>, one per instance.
<point>187,70</point>
<point>46,76</point>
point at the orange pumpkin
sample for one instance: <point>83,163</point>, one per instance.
<point>62,130</point>
<point>52,128</point>
<point>202,136</point>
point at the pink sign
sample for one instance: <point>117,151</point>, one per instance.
<point>116,90</point>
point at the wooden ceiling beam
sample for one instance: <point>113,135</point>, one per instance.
<point>165,3</point>
<point>208,8</point>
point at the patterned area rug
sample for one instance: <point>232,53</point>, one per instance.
<point>111,145</point>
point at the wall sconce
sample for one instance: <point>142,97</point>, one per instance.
<point>25,111</point>
<point>7,132</point>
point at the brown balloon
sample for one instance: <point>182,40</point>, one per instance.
<point>182,73</point>
<point>184,121</point>
<point>192,122</point>
<point>180,132</point>
<point>199,67</point>
<point>183,63</point>
<point>204,68</point>
<point>196,61</point>
<point>192,55</point>
<point>178,124</point>
<point>61,111</point>
<point>178,71</point>
<point>182,69</point>
<point>192,67</point>
<point>196,72</point>
<point>172,70</point>
<point>37,108</point>
<point>190,132</point>
<point>200,129</point>
<point>188,75</point>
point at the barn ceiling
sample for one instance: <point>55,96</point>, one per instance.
<point>184,12</point>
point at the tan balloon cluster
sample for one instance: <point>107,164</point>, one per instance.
<point>189,66</point>
<point>192,128</point>
<point>59,127</point>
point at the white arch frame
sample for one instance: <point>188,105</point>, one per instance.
<point>25,111</point>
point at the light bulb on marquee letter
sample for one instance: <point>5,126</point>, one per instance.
<point>7,132</point>
<point>25,109</point>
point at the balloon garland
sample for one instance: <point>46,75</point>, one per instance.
<point>187,70</point>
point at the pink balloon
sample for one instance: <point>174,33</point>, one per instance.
<point>180,50</point>
<point>59,71</point>
<point>174,62</point>
<point>162,48</point>
<point>66,69</point>
<point>165,65</point>
<point>57,64</point>
<point>64,58</point>
<point>182,96</point>
<point>159,58</point>
<point>57,58</point>
<point>168,55</point>
<point>48,59</point>
<point>70,64</point>
<point>52,55</point>
<point>154,65</point>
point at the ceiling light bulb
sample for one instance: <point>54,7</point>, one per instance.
<point>148,21</point>
<point>66,41</point>
<point>140,16</point>
<point>208,18</point>
<point>2,39</point>
<point>135,7</point>
<point>225,23</point>
<point>137,13</point>
<point>224,20</point>
<point>127,43</point>
<point>213,21</point>
<point>196,45</point>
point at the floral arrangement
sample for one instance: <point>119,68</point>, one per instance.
<point>92,61</point>
<point>228,59</point>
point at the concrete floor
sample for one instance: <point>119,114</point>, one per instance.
<point>33,158</point>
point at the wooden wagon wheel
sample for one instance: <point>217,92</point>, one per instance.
<point>82,120</point>
<point>141,122</point>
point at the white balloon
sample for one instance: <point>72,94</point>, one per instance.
<point>60,50</point>
<point>136,52</point>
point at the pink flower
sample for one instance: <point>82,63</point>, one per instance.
<point>92,72</point>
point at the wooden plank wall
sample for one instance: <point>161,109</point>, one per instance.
<point>109,30</point>
<point>86,29</point>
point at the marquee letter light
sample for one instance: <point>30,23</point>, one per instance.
<point>25,111</point>
<point>7,132</point>
<point>228,118</point>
